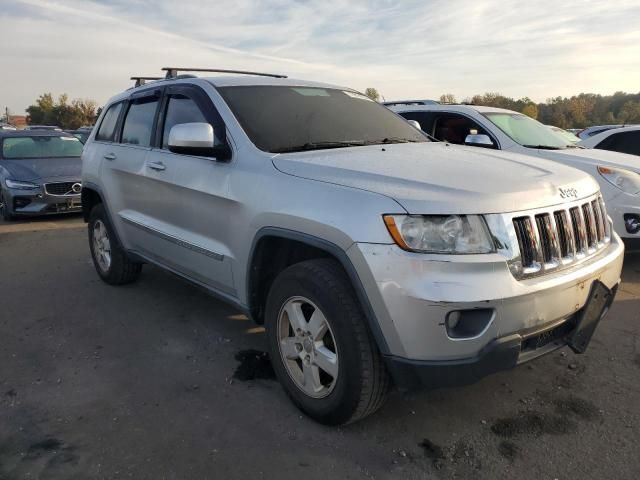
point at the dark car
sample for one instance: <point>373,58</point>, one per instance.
<point>39,173</point>
<point>81,133</point>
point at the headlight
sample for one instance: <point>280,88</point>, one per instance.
<point>20,185</point>
<point>625,180</point>
<point>440,233</point>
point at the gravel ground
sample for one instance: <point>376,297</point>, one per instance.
<point>158,380</point>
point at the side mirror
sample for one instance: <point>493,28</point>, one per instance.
<point>415,124</point>
<point>478,140</point>
<point>194,139</point>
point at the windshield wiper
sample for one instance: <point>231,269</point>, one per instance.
<point>320,146</point>
<point>544,147</point>
<point>388,140</point>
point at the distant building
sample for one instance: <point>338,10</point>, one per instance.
<point>18,121</point>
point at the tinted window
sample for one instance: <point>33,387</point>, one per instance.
<point>624,142</point>
<point>454,128</point>
<point>423,118</point>
<point>41,147</point>
<point>108,125</point>
<point>180,109</point>
<point>138,124</point>
<point>285,119</point>
<point>527,131</point>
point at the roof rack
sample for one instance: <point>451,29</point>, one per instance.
<point>142,80</point>
<point>172,72</point>
<point>412,102</point>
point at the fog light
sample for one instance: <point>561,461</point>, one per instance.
<point>21,202</point>
<point>468,323</point>
<point>632,222</point>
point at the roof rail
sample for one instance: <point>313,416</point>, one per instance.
<point>142,80</point>
<point>172,72</point>
<point>412,102</point>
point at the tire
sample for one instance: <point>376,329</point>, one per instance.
<point>109,258</point>
<point>4,209</point>
<point>347,347</point>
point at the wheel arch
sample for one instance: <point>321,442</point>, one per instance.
<point>274,249</point>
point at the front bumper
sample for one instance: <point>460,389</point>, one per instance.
<point>412,294</point>
<point>38,202</point>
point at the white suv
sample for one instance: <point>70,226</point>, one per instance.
<point>617,173</point>
<point>370,253</point>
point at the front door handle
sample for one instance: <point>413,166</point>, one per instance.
<point>110,156</point>
<point>156,166</point>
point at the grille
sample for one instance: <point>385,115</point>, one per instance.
<point>550,240</point>
<point>60,188</point>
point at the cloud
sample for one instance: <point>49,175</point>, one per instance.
<point>416,49</point>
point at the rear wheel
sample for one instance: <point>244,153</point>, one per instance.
<point>111,261</point>
<point>4,208</point>
<point>321,348</point>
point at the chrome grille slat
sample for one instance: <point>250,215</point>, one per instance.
<point>549,240</point>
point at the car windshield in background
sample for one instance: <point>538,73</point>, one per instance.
<point>527,132</point>
<point>566,134</point>
<point>41,147</point>
<point>283,119</point>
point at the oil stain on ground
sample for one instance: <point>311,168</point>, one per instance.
<point>254,365</point>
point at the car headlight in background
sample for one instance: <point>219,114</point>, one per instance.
<point>19,185</point>
<point>452,234</point>
<point>625,180</point>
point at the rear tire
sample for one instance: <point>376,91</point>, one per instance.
<point>321,348</point>
<point>111,261</point>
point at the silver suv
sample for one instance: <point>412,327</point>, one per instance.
<point>372,255</point>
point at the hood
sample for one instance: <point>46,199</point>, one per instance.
<point>591,156</point>
<point>30,169</point>
<point>438,178</point>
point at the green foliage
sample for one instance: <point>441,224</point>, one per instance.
<point>46,111</point>
<point>578,111</point>
<point>372,93</point>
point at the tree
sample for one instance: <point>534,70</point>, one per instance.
<point>372,93</point>
<point>531,110</point>
<point>66,115</point>
<point>448,98</point>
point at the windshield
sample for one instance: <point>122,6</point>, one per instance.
<point>527,131</point>
<point>566,134</point>
<point>41,147</point>
<point>282,119</point>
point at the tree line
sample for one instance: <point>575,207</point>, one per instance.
<point>62,112</point>
<point>578,111</point>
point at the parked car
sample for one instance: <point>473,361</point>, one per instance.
<point>623,140</point>
<point>5,126</point>
<point>569,136</point>
<point>495,128</point>
<point>43,127</point>
<point>370,253</point>
<point>81,133</point>
<point>596,129</point>
<point>39,173</point>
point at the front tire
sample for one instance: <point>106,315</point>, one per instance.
<point>111,261</point>
<point>321,348</point>
<point>4,209</point>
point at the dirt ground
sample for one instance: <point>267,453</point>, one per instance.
<point>158,380</point>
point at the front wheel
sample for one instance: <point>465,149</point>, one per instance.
<point>111,261</point>
<point>321,348</point>
<point>4,208</point>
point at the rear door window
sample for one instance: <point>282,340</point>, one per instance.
<point>107,128</point>
<point>139,122</point>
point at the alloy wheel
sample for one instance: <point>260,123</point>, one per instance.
<point>101,245</point>
<point>308,347</point>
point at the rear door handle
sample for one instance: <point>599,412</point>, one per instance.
<point>110,156</point>
<point>156,166</point>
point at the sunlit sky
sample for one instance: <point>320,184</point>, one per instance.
<point>405,49</point>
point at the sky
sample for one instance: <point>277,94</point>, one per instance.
<point>405,49</point>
